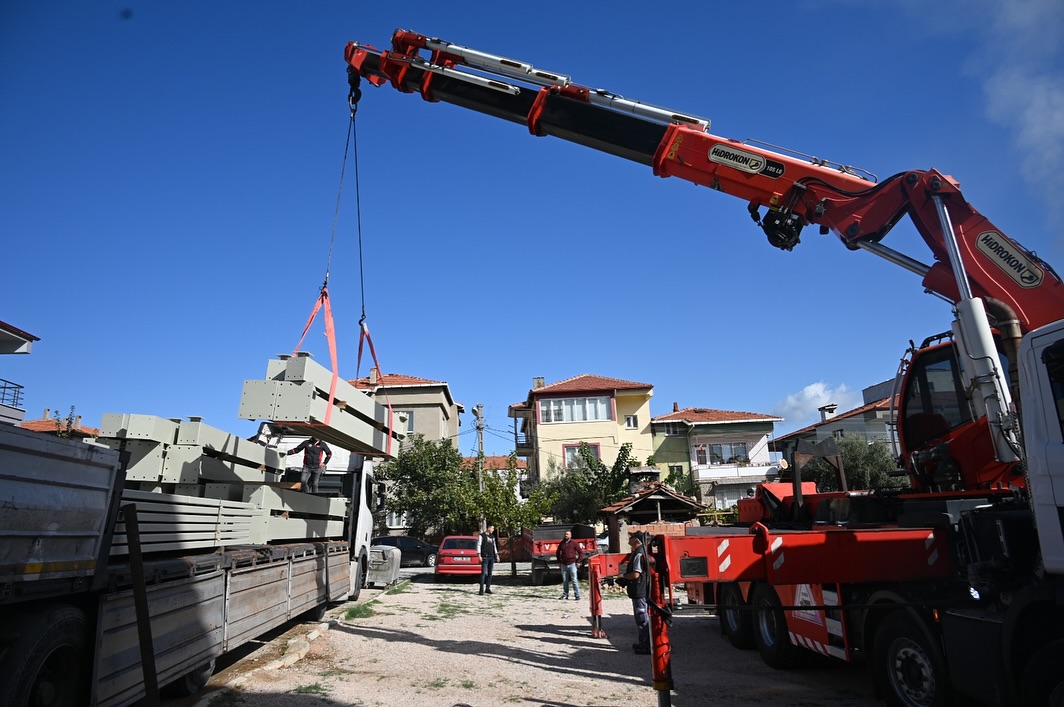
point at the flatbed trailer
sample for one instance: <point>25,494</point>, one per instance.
<point>81,625</point>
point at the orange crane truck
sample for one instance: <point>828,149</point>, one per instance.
<point>950,587</point>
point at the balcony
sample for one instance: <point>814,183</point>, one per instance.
<point>523,445</point>
<point>11,411</point>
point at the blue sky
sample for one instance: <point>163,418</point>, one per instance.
<point>170,174</point>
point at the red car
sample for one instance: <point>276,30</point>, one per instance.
<point>457,557</point>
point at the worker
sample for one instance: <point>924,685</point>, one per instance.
<point>488,552</point>
<point>316,456</point>
<point>636,581</point>
<point>569,556</point>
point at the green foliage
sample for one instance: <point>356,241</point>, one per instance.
<point>64,425</point>
<point>500,504</point>
<point>581,491</point>
<point>428,480</point>
<point>682,481</point>
<point>867,466</point>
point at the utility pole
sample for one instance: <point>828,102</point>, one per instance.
<point>478,413</point>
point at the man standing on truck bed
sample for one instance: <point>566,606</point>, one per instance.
<point>569,556</point>
<point>316,456</point>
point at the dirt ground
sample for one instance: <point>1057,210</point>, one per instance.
<point>426,643</point>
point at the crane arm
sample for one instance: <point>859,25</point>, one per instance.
<point>794,190</point>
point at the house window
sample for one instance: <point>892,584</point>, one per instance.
<point>398,520</point>
<point>631,422</point>
<point>575,409</point>
<point>675,469</point>
<point>409,420</point>
<point>572,454</point>
<point>838,434</point>
<point>727,453</point>
<point>673,429</point>
<point>700,454</point>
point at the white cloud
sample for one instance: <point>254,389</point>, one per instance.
<point>801,409</point>
<point>1016,53</point>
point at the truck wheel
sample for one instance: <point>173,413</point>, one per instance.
<point>1043,676</point>
<point>908,667</point>
<point>358,580</point>
<point>736,619</point>
<point>191,682</point>
<point>48,663</point>
<point>770,630</point>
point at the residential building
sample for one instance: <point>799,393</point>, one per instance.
<point>428,406</point>
<point>13,341</point>
<point>726,453</point>
<point>871,421</point>
<point>605,413</point>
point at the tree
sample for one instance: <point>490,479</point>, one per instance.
<point>427,480</point>
<point>584,489</point>
<point>868,465</point>
<point>500,503</point>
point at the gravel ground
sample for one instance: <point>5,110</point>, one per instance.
<point>426,643</point>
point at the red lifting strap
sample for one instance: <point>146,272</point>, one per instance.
<point>364,337</point>
<point>330,335</point>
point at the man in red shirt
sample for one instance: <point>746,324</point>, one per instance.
<point>569,556</point>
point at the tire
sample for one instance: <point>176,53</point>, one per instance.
<point>1042,681</point>
<point>770,630</point>
<point>430,561</point>
<point>48,663</point>
<point>359,580</point>
<point>907,665</point>
<point>191,682</point>
<point>736,619</point>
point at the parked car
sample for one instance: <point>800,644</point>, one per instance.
<point>412,551</point>
<point>458,557</point>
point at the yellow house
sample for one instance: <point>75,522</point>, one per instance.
<point>555,419</point>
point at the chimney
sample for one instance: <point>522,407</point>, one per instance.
<point>373,376</point>
<point>77,422</point>
<point>827,411</point>
<point>676,407</point>
<point>537,382</point>
<point>47,413</point>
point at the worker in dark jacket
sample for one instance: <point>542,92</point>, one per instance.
<point>637,582</point>
<point>316,456</point>
<point>569,556</point>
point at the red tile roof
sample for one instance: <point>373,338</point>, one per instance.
<point>496,462</point>
<point>697,415</point>
<point>587,383</point>
<point>49,426</point>
<point>392,380</point>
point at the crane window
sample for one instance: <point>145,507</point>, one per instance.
<point>934,401</point>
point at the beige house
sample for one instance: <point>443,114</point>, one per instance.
<point>427,404</point>
<point>605,413</point>
<point>429,409</point>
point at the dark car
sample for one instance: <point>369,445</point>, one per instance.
<point>411,550</point>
